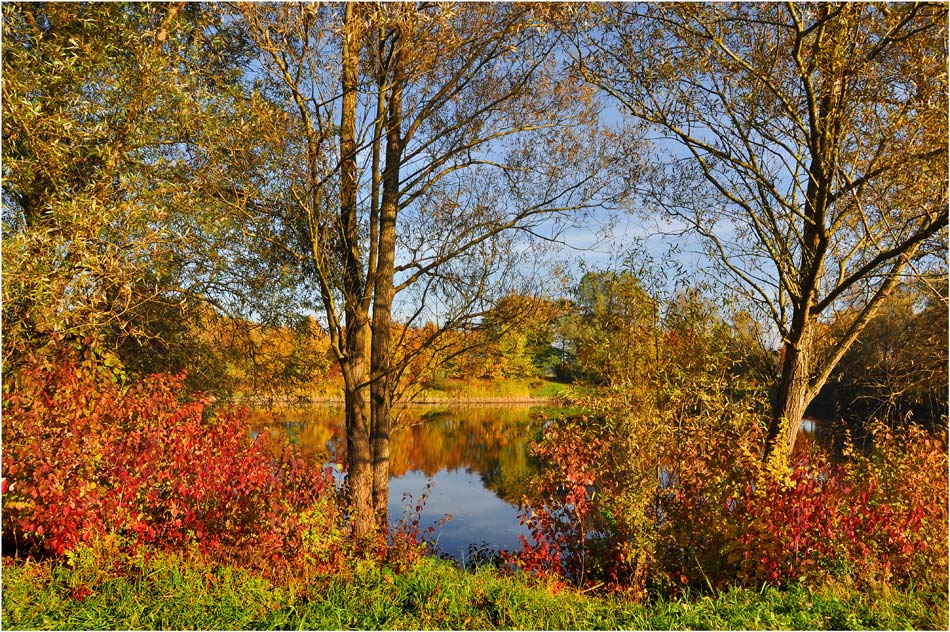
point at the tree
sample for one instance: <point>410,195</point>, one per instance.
<point>811,154</point>
<point>657,346</point>
<point>513,340</point>
<point>118,122</point>
<point>417,144</point>
<point>614,329</point>
<point>703,343</point>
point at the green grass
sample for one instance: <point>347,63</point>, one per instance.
<point>167,592</point>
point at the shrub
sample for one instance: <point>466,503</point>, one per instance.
<point>89,456</point>
<point>871,519</point>
<point>682,499</point>
<point>595,519</point>
<point>875,519</point>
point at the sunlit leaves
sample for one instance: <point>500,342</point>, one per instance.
<point>121,164</point>
<point>90,457</point>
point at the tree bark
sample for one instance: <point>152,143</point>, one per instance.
<point>381,360</point>
<point>794,394</point>
<point>353,365</point>
<point>795,388</point>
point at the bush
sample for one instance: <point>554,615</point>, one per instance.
<point>683,500</point>
<point>876,519</point>
<point>88,456</point>
<point>616,506</point>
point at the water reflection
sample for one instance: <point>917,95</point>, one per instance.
<point>477,458</point>
<point>479,518</point>
<point>813,435</point>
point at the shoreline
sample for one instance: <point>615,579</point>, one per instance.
<point>302,400</point>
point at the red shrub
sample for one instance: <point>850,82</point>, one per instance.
<point>876,519</point>
<point>87,456</point>
<point>880,518</point>
<point>594,522</point>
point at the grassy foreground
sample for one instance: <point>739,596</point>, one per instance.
<point>166,593</point>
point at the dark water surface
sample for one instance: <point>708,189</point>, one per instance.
<point>472,463</point>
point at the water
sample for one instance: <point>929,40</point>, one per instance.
<point>472,463</point>
<point>812,433</point>
<point>479,518</point>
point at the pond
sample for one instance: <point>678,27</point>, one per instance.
<point>472,463</point>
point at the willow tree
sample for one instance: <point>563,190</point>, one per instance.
<point>807,147</point>
<point>420,143</point>
<point>118,122</point>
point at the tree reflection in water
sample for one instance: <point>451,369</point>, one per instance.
<point>478,459</point>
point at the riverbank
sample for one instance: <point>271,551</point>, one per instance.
<point>528,392</point>
<point>166,592</point>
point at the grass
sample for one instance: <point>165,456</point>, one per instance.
<point>475,390</point>
<point>167,592</point>
<point>506,390</point>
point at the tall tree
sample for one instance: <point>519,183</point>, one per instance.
<point>424,140</point>
<point>811,154</point>
<point>118,130</point>
<point>614,329</point>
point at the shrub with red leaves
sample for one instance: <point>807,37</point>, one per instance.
<point>88,456</point>
<point>594,520</point>
<point>878,518</point>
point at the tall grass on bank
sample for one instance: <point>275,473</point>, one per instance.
<point>490,390</point>
<point>457,391</point>
<point>170,591</point>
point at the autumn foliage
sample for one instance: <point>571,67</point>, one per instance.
<point>89,456</point>
<point>873,518</point>
<point>877,520</point>
<point>704,512</point>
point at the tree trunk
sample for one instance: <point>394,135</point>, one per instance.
<point>353,365</point>
<point>359,471</point>
<point>795,389</point>
<point>381,353</point>
<point>795,392</point>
